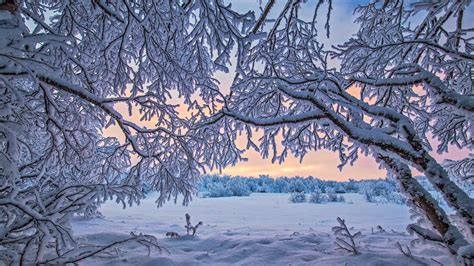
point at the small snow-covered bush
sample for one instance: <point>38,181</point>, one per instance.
<point>216,187</point>
<point>396,197</point>
<point>392,197</point>
<point>333,197</point>
<point>318,197</point>
<point>217,190</point>
<point>381,191</point>
<point>376,191</point>
<point>297,197</point>
<point>297,185</point>
<point>351,186</point>
<point>238,187</point>
<point>279,185</point>
<point>368,196</point>
<point>264,184</point>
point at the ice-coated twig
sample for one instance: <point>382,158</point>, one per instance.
<point>344,238</point>
<point>406,252</point>
<point>83,252</point>
<point>189,227</point>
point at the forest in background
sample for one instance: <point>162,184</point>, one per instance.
<point>318,190</point>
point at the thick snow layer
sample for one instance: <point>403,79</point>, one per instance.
<point>260,229</point>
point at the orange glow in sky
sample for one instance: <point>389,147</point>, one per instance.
<point>321,164</point>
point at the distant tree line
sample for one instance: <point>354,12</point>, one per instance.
<point>378,190</point>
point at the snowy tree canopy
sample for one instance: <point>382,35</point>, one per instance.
<point>67,67</point>
<point>412,64</point>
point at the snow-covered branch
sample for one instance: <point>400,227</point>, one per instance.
<point>67,70</point>
<point>414,81</point>
<point>463,102</point>
<point>421,199</point>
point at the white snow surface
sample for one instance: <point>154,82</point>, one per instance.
<point>262,229</point>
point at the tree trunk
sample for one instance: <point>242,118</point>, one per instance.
<point>450,234</point>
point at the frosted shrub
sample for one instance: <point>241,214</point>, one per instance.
<point>296,185</point>
<point>381,191</point>
<point>217,190</point>
<point>224,187</point>
<point>238,187</point>
<point>396,197</point>
<point>264,183</point>
<point>279,185</point>
<point>333,197</point>
<point>318,197</point>
<point>339,198</point>
<point>297,197</point>
<point>368,197</point>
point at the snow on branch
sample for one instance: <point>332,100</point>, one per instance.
<point>446,232</point>
<point>81,253</point>
<point>414,84</point>
<point>463,102</point>
<point>65,78</point>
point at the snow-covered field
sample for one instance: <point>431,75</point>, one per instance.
<point>261,229</point>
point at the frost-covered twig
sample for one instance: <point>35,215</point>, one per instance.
<point>189,227</point>
<point>81,253</point>
<point>406,252</point>
<point>344,238</point>
<point>462,172</point>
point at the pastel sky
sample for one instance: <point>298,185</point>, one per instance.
<point>322,164</point>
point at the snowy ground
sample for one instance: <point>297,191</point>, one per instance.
<point>259,230</point>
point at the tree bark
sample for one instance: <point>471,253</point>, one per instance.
<point>451,236</point>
